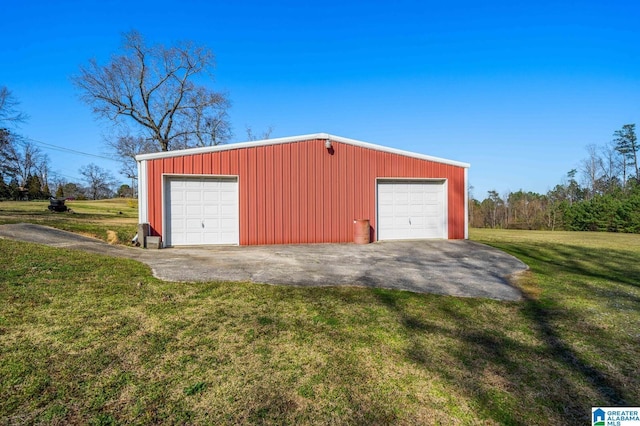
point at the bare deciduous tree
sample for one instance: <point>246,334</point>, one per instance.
<point>126,147</point>
<point>9,114</point>
<point>256,137</point>
<point>591,168</point>
<point>8,155</point>
<point>9,117</point>
<point>29,161</point>
<point>611,167</point>
<point>100,182</point>
<point>20,159</point>
<point>211,127</point>
<point>154,87</point>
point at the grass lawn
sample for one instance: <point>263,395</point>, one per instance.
<point>91,339</point>
<point>91,218</point>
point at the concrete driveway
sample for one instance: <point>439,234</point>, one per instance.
<point>457,268</point>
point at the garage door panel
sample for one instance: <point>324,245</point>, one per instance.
<point>411,210</point>
<point>202,211</point>
<point>227,223</point>
<point>416,197</point>
<point>385,196</point>
<point>191,224</point>
<point>227,196</point>
<point>416,209</point>
<point>211,223</point>
<point>401,209</point>
<point>191,210</point>
<point>210,210</point>
<point>384,189</point>
<point>193,196</point>
<point>402,197</point>
<point>179,209</point>
<point>418,221</point>
<point>227,211</point>
<point>191,238</point>
<point>211,199</point>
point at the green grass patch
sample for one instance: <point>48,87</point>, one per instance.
<point>87,217</point>
<point>92,339</point>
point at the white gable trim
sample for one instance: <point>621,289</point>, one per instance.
<point>217,148</point>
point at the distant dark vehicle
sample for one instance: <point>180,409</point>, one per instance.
<point>57,205</point>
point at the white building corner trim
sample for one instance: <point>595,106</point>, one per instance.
<point>143,196</point>
<point>466,203</point>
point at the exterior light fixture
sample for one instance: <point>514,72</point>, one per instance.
<point>327,144</point>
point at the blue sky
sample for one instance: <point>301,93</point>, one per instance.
<point>517,90</point>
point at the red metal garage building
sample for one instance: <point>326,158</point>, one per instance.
<point>303,189</point>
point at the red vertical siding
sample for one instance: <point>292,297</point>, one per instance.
<point>301,192</point>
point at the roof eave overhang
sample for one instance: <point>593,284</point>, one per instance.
<point>291,139</point>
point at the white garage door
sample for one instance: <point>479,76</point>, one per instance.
<point>201,211</point>
<point>411,210</point>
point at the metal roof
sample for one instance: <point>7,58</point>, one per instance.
<point>291,139</point>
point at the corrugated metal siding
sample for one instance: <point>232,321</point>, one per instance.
<point>300,193</point>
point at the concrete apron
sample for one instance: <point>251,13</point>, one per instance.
<point>457,267</point>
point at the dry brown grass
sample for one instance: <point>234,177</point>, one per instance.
<point>112,237</point>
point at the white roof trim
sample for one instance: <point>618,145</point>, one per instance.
<point>276,141</point>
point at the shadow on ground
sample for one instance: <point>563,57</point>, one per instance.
<point>554,367</point>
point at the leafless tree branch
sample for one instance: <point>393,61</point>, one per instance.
<point>154,87</point>
<point>9,114</point>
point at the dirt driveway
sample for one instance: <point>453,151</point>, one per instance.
<point>457,268</point>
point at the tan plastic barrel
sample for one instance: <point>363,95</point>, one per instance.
<point>361,231</point>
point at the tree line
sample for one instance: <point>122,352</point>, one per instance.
<point>25,172</point>
<point>602,194</point>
